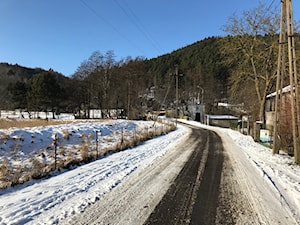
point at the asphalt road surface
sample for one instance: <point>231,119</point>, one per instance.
<point>193,197</point>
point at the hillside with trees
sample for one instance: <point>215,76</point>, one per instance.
<point>135,85</point>
<point>11,74</point>
<point>238,69</point>
<point>100,82</point>
<point>28,89</point>
<point>201,66</point>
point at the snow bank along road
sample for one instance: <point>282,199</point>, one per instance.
<point>204,180</point>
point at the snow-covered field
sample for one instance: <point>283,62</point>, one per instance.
<point>49,201</point>
<point>36,151</point>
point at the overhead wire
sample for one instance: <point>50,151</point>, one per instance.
<point>269,7</point>
<point>262,15</point>
<point>138,24</point>
<point>149,33</point>
<point>99,16</point>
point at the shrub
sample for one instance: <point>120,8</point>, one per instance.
<point>62,150</point>
<point>66,134</point>
<point>15,176</point>
<point>38,169</point>
<point>4,138</point>
<point>84,152</point>
<point>4,174</point>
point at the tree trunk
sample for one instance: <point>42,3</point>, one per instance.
<point>262,110</point>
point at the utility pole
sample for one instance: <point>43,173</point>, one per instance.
<point>287,28</point>
<point>294,82</point>
<point>176,75</point>
<point>279,78</point>
<point>128,99</point>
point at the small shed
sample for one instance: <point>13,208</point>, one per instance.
<point>225,121</point>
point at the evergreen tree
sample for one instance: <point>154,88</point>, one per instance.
<point>18,91</point>
<point>44,92</point>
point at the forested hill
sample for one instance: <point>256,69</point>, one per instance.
<point>211,70</point>
<point>201,65</point>
<point>10,74</point>
<point>14,83</point>
<point>205,54</point>
<point>17,70</point>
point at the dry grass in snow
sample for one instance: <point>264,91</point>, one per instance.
<point>35,152</point>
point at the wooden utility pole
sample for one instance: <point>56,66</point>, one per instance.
<point>176,74</point>
<point>279,81</point>
<point>294,81</point>
<point>128,99</point>
<point>287,28</point>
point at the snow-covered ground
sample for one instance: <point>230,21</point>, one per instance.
<point>36,151</point>
<point>278,173</point>
<point>48,201</point>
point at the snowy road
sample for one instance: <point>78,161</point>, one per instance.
<point>134,199</point>
<point>125,188</point>
<point>196,182</point>
<point>193,197</point>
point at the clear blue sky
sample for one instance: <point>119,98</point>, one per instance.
<point>60,34</point>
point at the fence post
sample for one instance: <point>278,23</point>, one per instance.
<point>97,139</point>
<point>134,136</point>
<point>147,132</point>
<point>96,144</point>
<point>122,138</point>
<point>55,142</point>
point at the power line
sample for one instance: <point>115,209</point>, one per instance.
<point>99,16</point>
<point>268,9</point>
<point>149,33</point>
<point>138,24</point>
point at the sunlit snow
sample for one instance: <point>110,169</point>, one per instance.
<point>48,201</point>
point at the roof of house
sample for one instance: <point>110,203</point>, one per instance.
<point>222,117</point>
<point>284,90</point>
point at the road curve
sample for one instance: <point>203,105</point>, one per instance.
<point>193,197</point>
<point>204,180</point>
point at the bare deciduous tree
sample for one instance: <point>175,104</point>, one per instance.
<point>256,55</point>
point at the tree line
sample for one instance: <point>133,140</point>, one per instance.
<point>135,85</point>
